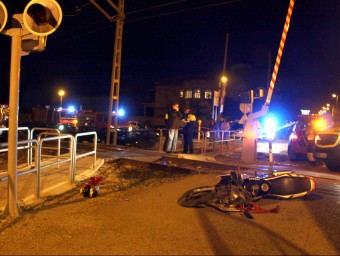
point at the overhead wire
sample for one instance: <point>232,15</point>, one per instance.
<point>148,17</point>
<point>181,11</point>
<point>154,7</point>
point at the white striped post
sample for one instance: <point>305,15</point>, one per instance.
<point>279,53</point>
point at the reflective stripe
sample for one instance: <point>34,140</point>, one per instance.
<point>191,118</point>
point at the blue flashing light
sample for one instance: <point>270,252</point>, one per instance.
<point>121,112</point>
<point>71,109</point>
<point>270,123</point>
<point>269,129</point>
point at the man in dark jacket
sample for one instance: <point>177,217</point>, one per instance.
<point>188,131</point>
<point>174,121</point>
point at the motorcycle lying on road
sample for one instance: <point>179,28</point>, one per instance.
<point>234,193</point>
<point>280,185</point>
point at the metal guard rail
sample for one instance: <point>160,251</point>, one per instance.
<point>38,148</point>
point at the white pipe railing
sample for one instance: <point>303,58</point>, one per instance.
<point>22,147</point>
<point>46,130</point>
<point>70,158</point>
<point>93,152</point>
<point>221,137</point>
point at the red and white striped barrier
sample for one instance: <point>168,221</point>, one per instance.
<point>279,53</point>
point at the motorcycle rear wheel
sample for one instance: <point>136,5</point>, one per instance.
<point>197,196</point>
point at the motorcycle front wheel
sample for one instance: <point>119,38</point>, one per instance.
<point>197,196</point>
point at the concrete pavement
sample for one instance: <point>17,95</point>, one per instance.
<point>54,180</point>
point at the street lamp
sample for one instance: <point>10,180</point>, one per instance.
<point>61,93</point>
<point>223,85</point>
<point>337,99</point>
<point>224,79</point>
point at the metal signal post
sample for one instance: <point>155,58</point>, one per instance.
<point>115,79</point>
<point>117,57</point>
<point>39,19</point>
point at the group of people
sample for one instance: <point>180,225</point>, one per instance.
<point>174,120</point>
<point>221,128</point>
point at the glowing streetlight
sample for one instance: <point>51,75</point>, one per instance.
<point>224,79</point>
<point>337,99</point>
<point>61,93</point>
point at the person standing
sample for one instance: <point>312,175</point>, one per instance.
<point>225,127</point>
<point>188,131</point>
<point>174,121</point>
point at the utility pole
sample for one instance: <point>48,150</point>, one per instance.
<point>219,95</point>
<point>116,66</point>
<point>223,79</point>
<point>115,80</point>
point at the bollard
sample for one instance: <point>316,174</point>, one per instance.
<point>271,161</point>
<point>199,130</point>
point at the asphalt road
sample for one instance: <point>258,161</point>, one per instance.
<point>149,221</point>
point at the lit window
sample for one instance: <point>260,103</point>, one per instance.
<point>181,93</point>
<point>208,94</point>
<point>188,94</point>
<point>197,94</point>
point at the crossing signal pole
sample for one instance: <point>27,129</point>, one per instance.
<point>39,19</point>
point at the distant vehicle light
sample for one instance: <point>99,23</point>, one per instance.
<point>121,112</point>
<point>319,124</point>
<point>294,137</point>
<point>271,135</point>
<point>317,138</point>
<point>305,111</point>
<point>61,127</point>
<point>269,129</point>
<point>71,109</point>
<point>270,124</point>
<point>130,128</point>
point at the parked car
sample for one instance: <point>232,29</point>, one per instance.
<point>135,125</point>
<point>142,138</point>
<point>327,147</point>
<point>298,141</point>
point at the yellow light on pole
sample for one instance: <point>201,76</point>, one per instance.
<point>224,79</point>
<point>61,93</point>
<point>336,99</point>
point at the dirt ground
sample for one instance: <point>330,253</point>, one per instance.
<point>118,179</point>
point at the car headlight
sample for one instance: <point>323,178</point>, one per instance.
<point>317,138</point>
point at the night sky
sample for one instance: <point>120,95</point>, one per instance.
<point>182,39</point>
